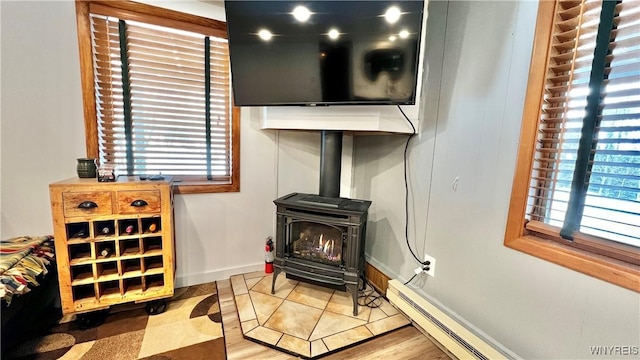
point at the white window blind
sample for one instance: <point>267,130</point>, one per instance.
<point>163,99</point>
<point>590,124</point>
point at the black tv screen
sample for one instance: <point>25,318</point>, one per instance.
<point>324,52</point>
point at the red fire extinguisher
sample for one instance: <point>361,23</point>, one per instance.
<point>268,256</point>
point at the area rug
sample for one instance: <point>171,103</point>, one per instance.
<point>189,328</point>
<point>306,320</point>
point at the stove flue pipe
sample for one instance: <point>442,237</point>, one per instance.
<point>330,163</point>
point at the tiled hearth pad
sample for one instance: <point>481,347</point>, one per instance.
<point>304,319</point>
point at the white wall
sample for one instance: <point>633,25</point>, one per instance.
<point>478,61</point>
<point>41,106</point>
<point>0,127</point>
<point>219,235</point>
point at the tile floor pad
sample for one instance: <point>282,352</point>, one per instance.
<point>304,319</point>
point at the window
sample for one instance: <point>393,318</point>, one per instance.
<point>576,193</point>
<point>157,97</point>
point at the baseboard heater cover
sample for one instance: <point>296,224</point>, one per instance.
<point>461,342</point>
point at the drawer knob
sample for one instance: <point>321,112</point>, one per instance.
<point>139,203</point>
<point>87,205</point>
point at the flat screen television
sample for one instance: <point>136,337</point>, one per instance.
<point>319,53</point>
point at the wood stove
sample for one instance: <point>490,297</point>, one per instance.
<point>321,240</point>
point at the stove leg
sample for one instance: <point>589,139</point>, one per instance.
<point>276,271</point>
<point>353,288</point>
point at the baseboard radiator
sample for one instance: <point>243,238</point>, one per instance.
<point>457,339</point>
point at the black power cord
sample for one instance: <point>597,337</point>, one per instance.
<point>406,192</point>
<point>369,297</point>
<point>413,277</point>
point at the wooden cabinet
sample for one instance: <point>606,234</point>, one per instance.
<point>114,241</point>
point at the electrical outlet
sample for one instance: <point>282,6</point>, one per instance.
<point>432,265</point>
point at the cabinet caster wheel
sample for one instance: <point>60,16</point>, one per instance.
<point>92,319</point>
<point>156,307</point>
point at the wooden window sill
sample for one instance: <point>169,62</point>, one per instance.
<point>203,187</point>
<point>616,272</point>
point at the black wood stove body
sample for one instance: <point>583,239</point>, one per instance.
<point>321,240</point>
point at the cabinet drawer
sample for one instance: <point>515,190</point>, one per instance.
<point>139,202</point>
<point>87,203</point>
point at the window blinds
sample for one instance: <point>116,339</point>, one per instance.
<point>609,206</point>
<point>161,112</point>
<point>612,206</point>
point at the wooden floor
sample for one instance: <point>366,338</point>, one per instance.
<point>406,343</point>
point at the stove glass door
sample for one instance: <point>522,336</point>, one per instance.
<point>314,241</point>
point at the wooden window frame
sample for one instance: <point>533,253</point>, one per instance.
<point>586,254</point>
<point>162,17</point>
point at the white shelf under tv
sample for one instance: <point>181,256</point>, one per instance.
<point>372,118</point>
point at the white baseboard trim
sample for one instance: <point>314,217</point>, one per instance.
<point>393,275</point>
<point>183,280</point>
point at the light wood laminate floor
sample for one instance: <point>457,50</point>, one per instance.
<point>406,343</point>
